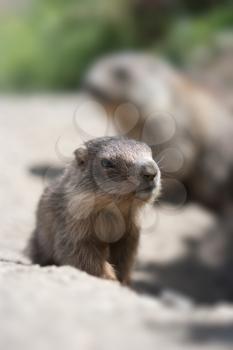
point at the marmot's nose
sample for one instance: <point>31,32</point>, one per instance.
<point>149,171</point>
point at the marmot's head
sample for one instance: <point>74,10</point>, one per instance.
<point>119,167</point>
<point>131,77</point>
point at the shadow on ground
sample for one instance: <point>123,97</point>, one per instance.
<point>206,333</point>
<point>45,171</point>
<point>203,274</point>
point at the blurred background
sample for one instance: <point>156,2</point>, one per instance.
<point>48,45</point>
<point>67,69</point>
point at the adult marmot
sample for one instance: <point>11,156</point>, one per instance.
<point>172,113</point>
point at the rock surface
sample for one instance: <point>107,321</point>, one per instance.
<point>46,308</point>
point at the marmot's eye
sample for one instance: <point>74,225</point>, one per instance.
<point>107,163</point>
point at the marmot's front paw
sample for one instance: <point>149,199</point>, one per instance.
<point>108,272</point>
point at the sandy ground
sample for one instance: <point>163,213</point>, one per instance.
<point>173,267</point>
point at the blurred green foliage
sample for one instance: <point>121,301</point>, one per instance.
<point>50,43</point>
<point>189,34</point>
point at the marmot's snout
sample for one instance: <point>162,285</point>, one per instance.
<point>149,179</point>
<point>138,177</point>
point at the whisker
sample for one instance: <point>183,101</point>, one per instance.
<point>160,160</point>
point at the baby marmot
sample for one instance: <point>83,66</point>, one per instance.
<point>88,217</point>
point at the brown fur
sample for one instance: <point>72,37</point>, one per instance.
<point>89,222</point>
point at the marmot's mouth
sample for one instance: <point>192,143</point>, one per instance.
<point>145,193</point>
<point>147,189</point>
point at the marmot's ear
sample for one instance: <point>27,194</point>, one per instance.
<point>81,155</point>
